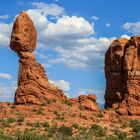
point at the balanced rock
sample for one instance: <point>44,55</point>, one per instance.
<point>88,102</point>
<point>33,85</point>
<point>122,70</point>
<point>24,34</point>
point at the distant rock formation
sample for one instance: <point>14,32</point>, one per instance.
<point>33,84</point>
<point>89,102</point>
<point>122,71</point>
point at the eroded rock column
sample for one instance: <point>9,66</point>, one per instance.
<point>33,84</point>
<point>122,71</point>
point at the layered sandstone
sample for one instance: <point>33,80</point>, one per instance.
<point>122,70</point>
<point>33,85</point>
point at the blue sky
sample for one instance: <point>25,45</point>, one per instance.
<point>73,36</point>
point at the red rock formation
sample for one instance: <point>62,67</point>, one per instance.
<point>33,84</point>
<point>122,70</point>
<point>114,73</point>
<point>88,102</point>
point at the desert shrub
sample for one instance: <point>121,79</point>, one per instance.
<point>11,120</point>
<point>5,124</point>
<point>13,106</point>
<point>125,125</point>
<point>121,135</point>
<point>64,130</point>
<point>81,107</point>
<point>5,137</point>
<point>39,111</point>
<point>111,137</point>
<point>29,135</point>
<point>48,101</point>
<point>46,124</point>
<point>88,136</point>
<point>135,125</point>
<point>75,125</point>
<point>52,130</point>
<point>136,136</point>
<point>55,112</point>
<point>37,124</point>
<point>20,119</point>
<point>67,102</point>
<point>98,130</point>
<point>29,124</point>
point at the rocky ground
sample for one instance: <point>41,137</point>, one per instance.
<point>58,120</point>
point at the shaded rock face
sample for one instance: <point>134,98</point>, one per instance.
<point>88,102</point>
<point>33,84</point>
<point>122,70</point>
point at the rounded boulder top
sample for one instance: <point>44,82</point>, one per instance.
<point>24,34</point>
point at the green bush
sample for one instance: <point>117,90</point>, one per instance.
<point>13,106</point>
<point>64,130</point>
<point>81,107</point>
<point>75,125</point>
<point>46,124</point>
<point>37,124</point>
<point>11,120</point>
<point>136,136</point>
<point>121,135</point>
<point>20,119</point>
<point>29,135</point>
<point>55,113</point>
<point>5,124</point>
<point>67,102</point>
<point>135,124</point>
<point>98,130</point>
<point>5,137</point>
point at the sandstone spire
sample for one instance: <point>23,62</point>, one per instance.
<point>33,84</point>
<point>122,70</point>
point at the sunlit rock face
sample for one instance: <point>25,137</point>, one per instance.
<point>33,85</point>
<point>122,71</point>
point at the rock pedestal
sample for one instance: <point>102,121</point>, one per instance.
<point>122,70</point>
<point>33,84</point>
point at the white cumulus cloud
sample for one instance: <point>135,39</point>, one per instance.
<point>108,24</point>
<point>62,84</point>
<point>5,76</point>
<point>7,92</point>
<point>5,33</point>
<point>95,18</point>
<point>132,27</point>
<point>4,16</point>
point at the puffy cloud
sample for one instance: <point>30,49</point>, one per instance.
<point>7,92</point>
<point>95,18</point>
<point>87,54</point>
<point>125,36</point>
<point>108,24</point>
<point>5,33</point>
<point>70,37</point>
<point>48,9</point>
<point>62,84</point>
<point>132,27</point>
<point>5,76</point>
<point>4,16</point>
<point>69,27</point>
